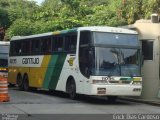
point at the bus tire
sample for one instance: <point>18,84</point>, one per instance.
<point>71,89</point>
<point>112,99</point>
<point>19,82</point>
<point>26,83</point>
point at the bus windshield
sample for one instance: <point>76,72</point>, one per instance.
<point>116,62</point>
<point>115,54</point>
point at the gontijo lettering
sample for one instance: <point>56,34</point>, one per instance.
<point>30,61</point>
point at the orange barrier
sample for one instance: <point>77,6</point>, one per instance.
<point>4,97</point>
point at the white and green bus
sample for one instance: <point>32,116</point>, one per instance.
<point>98,61</point>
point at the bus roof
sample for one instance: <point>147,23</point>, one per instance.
<point>31,36</point>
<point>108,29</point>
<point>89,28</point>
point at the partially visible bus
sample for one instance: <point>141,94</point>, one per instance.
<point>4,50</point>
<point>98,61</point>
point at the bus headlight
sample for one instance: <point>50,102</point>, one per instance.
<point>137,82</point>
<point>99,81</point>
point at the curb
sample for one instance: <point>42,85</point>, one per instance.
<point>154,103</point>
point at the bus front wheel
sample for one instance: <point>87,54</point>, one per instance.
<point>71,89</point>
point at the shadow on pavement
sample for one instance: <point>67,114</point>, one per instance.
<point>80,98</point>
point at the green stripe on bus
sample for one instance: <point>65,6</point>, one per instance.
<point>57,71</point>
<point>53,71</point>
<point>49,72</point>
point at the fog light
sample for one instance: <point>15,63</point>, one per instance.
<point>137,82</point>
<point>136,89</point>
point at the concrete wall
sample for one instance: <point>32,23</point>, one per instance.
<point>151,68</point>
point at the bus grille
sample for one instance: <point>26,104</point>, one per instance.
<point>120,81</point>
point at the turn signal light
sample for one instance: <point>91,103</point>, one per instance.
<point>3,69</point>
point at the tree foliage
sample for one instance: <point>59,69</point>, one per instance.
<point>23,17</point>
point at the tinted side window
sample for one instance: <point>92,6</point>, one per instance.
<point>46,45</point>
<point>85,40</point>
<point>85,37</point>
<point>57,44</point>
<point>3,62</point>
<point>36,49</point>
<point>12,48</point>
<point>16,48</point>
<point>147,49</point>
<point>70,43</point>
<point>25,47</point>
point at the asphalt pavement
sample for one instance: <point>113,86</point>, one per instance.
<point>44,105</point>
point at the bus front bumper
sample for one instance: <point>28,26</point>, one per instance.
<point>116,90</point>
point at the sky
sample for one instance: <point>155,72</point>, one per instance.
<point>38,1</point>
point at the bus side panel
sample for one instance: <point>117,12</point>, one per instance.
<point>70,69</point>
<point>14,71</point>
<point>37,74</point>
<point>54,70</point>
<point>49,71</point>
<point>67,70</point>
<point>12,75</point>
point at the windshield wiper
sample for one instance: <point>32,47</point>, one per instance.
<point>123,63</point>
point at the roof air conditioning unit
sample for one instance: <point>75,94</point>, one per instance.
<point>154,18</point>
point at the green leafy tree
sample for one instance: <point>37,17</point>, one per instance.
<point>133,10</point>
<point>4,20</point>
<point>20,27</point>
<point>23,17</point>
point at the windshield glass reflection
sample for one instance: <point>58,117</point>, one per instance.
<point>116,62</point>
